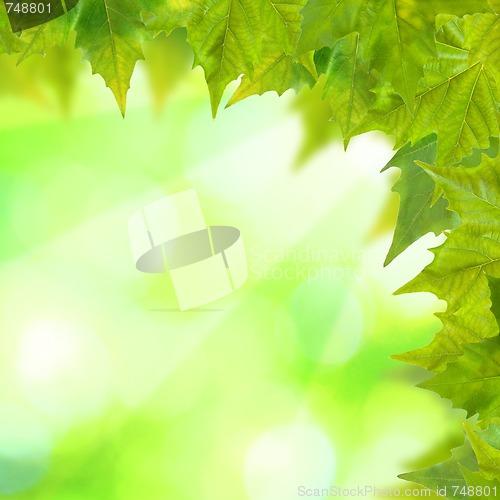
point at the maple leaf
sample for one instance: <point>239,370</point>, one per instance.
<point>458,104</point>
<point>418,215</point>
<point>397,36</point>
<point>225,37</point>
<point>476,479</point>
<point>8,41</point>
<point>422,206</point>
<point>473,381</point>
<point>110,34</point>
<point>415,71</point>
<point>326,21</point>
<point>458,271</point>
<point>407,41</point>
<point>494,284</point>
<point>388,114</point>
<point>448,473</point>
<point>348,82</point>
<point>39,39</point>
<point>481,37</point>
<point>276,72</point>
<point>283,21</point>
<point>161,15</point>
<point>400,49</point>
<point>488,456</point>
<point>464,468</point>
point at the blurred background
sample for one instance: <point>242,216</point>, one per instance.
<point>106,391</point>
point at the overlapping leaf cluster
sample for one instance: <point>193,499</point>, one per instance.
<point>426,73</point>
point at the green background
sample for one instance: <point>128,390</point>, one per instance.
<point>107,392</point>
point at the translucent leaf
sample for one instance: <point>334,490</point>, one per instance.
<point>459,106</point>
<point>165,16</point>
<point>325,21</point>
<point>488,457</point>
<point>282,19</point>
<point>458,273</point>
<point>477,480</point>
<point>447,474</point>
<point>462,469</point>
<point>110,34</point>
<point>418,213</point>
<point>276,72</point>
<point>348,82</point>
<point>225,38</point>
<point>473,381</point>
<point>40,39</point>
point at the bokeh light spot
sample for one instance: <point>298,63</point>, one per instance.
<point>63,370</point>
<point>285,458</point>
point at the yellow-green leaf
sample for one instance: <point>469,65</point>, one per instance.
<point>276,72</point>
<point>419,214</point>
<point>110,35</point>
<point>348,82</point>
<point>459,271</point>
<point>165,16</point>
<point>226,38</point>
<point>488,457</point>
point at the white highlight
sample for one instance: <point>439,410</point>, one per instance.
<point>287,457</point>
<point>63,371</point>
<point>48,350</point>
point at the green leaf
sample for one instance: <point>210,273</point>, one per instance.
<point>461,469</point>
<point>473,381</point>
<point>458,104</point>
<point>9,42</point>
<point>276,72</point>
<point>494,284</point>
<point>225,37</point>
<point>39,39</point>
<point>458,272</point>
<point>400,40</point>
<point>447,474</point>
<point>460,109</point>
<point>482,39</point>
<point>418,215</point>
<point>348,82</point>
<point>282,19</point>
<point>397,36</point>
<point>165,16</point>
<point>325,21</point>
<point>475,159</point>
<point>481,484</point>
<point>488,456</point>
<point>388,113</point>
<point>456,98</point>
<point>110,34</point>
<point>255,38</point>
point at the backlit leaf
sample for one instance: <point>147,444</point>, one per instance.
<point>110,35</point>
<point>418,215</point>
<point>459,271</point>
